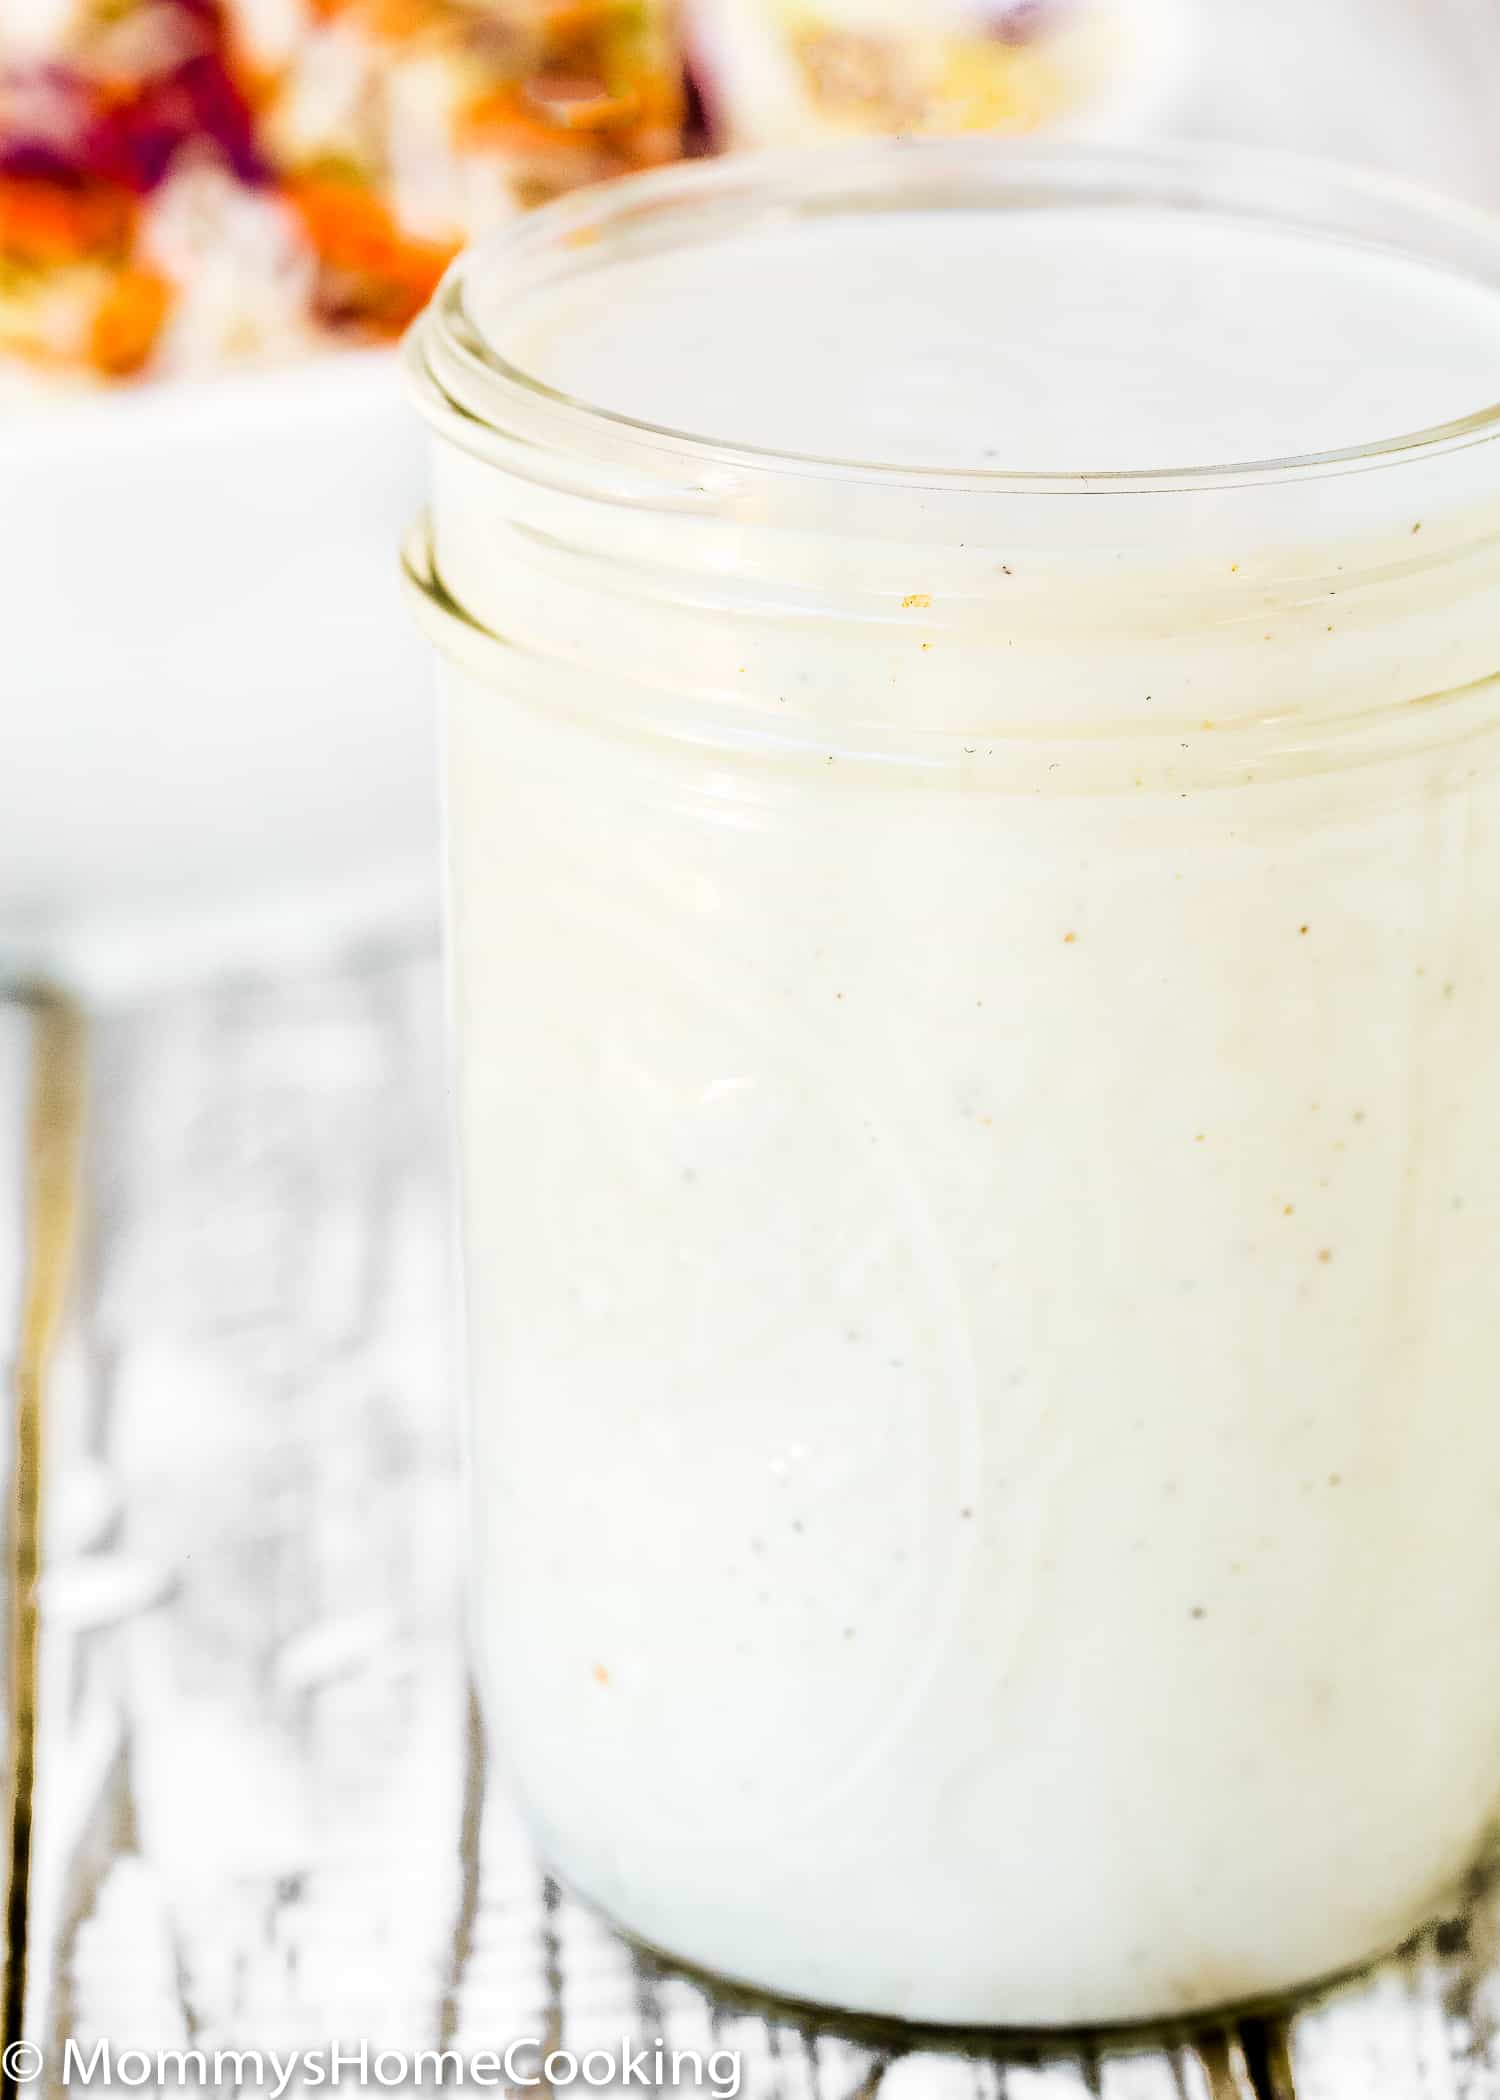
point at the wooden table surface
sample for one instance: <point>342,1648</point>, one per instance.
<point>261,1816</point>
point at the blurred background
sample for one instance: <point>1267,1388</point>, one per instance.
<point>216,219</point>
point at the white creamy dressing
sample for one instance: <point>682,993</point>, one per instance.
<point>981,1263</point>
<point>1037,340</point>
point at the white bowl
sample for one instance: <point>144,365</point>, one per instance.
<point>213,699</point>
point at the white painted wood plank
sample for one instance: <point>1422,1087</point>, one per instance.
<point>1139,2075</point>
<point>42,1112</point>
<point>15,1091</point>
<point>15,1081</point>
<point>1050,2081</point>
<point>262,1651</point>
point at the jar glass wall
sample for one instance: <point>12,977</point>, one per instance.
<point>976,995</point>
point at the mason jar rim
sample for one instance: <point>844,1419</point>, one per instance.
<point>457,368</point>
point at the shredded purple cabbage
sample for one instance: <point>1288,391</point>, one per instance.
<point>54,128</point>
<point>1021,21</point>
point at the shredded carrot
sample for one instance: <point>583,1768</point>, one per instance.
<point>397,20</point>
<point>128,321</point>
<point>500,118</point>
<point>659,95</point>
<point>567,19</point>
<point>353,230</point>
<point>580,104</point>
<point>374,278</point>
<point>49,222</point>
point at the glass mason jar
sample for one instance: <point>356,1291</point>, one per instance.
<point>976,998</point>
